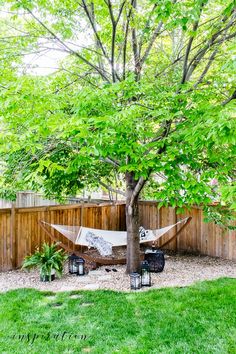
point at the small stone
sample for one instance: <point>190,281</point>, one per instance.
<point>96,273</point>
<point>85,304</point>
<point>56,304</point>
<point>91,287</point>
<point>75,296</point>
<point>104,277</point>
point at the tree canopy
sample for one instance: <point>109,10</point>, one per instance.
<point>146,90</point>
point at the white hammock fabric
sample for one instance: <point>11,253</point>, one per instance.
<point>79,234</point>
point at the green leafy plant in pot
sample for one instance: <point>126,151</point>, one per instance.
<point>49,261</point>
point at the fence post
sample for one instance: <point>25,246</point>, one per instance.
<point>13,236</point>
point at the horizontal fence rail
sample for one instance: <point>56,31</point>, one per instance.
<point>20,231</point>
<point>31,199</point>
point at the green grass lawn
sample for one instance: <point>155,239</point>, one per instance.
<point>196,319</point>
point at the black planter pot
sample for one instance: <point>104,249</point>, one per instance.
<point>45,278</point>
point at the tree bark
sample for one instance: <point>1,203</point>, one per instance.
<point>132,224</point>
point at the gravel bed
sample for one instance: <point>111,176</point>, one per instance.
<point>179,271</point>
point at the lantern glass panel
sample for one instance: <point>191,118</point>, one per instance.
<point>73,268</point>
<point>80,266</point>
<point>135,281</point>
<point>145,274</point>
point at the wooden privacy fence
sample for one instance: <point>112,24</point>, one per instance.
<point>198,237</point>
<point>20,231</point>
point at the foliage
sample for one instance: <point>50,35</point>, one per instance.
<point>48,259</point>
<point>63,130</point>
<point>220,215</point>
<point>173,320</point>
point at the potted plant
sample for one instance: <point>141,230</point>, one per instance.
<point>49,261</point>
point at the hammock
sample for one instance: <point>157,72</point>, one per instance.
<point>78,234</point>
<point>104,240</point>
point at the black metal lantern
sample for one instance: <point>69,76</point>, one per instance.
<point>155,259</point>
<point>76,265</point>
<point>145,274</point>
<point>135,281</point>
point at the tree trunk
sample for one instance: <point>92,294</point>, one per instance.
<point>132,224</point>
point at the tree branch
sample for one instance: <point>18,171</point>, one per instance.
<point>205,71</point>
<point>65,86</point>
<point>126,39</point>
<point>79,77</point>
<point>188,50</point>
<point>120,11</point>
<point>91,18</point>
<point>156,33</point>
<point>189,46</point>
<point>232,97</point>
<point>111,189</point>
<point>83,77</point>
<point>137,189</point>
<point>179,58</point>
<point>114,23</point>
<point>67,47</point>
<point>150,45</point>
<point>111,161</point>
<point>92,22</point>
<point>137,64</point>
<point>146,27</point>
<point>213,40</point>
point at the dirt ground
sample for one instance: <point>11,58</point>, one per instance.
<point>180,270</point>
